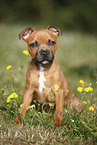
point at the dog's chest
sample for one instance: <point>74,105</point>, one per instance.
<point>41,81</point>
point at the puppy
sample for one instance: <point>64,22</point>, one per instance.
<point>44,73</point>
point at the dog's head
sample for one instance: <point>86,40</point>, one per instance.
<point>41,43</point>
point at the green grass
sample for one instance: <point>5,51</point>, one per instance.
<point>77,56</point>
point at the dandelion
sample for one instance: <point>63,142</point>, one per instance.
<point>84,102</point>
<point>81,82</point>
<point>80,89</point>
<point>66,111</point>
<point>31,107</point>
<point>91,108</point>
<point>25,52</point>
<point>13,95</point>
<point>9,67</point>
<point>8,100</point>
<point>86,89</point>
<point>56,87</point>
<point>90,88</point>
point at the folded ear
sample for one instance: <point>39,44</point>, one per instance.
<point>54,30</point>
<point>26,33</point>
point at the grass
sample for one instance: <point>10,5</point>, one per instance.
<point>77,56</point>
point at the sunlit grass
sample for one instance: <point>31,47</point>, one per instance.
<point>77,56</point>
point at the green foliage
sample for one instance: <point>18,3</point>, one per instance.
<point>70,15</point>
<point>77,56</point>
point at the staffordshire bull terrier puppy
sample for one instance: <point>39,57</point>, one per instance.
<point>44,73</point>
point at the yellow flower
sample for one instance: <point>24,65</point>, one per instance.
<point>56,87</point>
<point>32,106</point>
<point>86,89</point>
<point>13,95</point>
<point>8,100</point>
<point>81,81</point>
<point>88,101</point>
<point>9,67</point>
<point>66,111</point>
<point>80,89</point>
<point>91,108</point>
<point>25,52</point>
<point>84,102</point>
<point>90,88</point>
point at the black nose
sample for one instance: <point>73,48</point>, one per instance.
<point>44,53</point>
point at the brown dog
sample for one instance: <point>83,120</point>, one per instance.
<point>44,73</point>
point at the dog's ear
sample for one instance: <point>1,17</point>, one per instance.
<point>54,30</point>
<point>26,33</point>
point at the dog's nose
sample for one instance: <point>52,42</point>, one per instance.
<point>44,53</point>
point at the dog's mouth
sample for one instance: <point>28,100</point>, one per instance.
<point>44,58</point>
<point>44,61</point>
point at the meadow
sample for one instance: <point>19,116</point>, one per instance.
<point>77,56</point>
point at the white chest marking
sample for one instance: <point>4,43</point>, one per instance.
<point>41,81</point>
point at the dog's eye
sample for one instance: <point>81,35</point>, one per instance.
<point>34,45</point>
<point>51,43</point>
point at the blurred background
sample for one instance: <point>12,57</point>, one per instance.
<point>66,14</point>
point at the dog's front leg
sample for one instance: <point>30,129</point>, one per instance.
<point>58,116</point>
<point>27,98</point>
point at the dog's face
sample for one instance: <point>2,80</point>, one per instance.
<point>41,43</point>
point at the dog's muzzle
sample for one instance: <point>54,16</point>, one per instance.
<point>44,57</point>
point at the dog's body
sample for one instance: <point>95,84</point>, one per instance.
<point>44,73</point>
